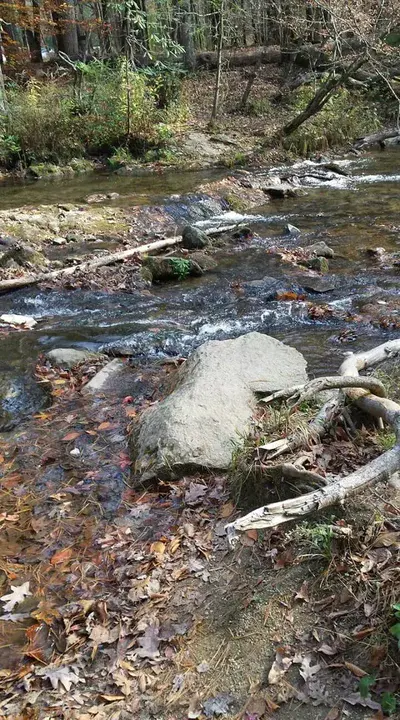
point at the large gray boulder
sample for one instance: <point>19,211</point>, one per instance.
<point>209,412</point>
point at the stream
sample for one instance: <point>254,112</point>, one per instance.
<point>350,214</point>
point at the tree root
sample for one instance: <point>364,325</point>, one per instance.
<point>381,468</point>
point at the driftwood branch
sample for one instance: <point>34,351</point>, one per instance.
<point>87,265</point>
<point>381,468</point>
<point>301,393</point>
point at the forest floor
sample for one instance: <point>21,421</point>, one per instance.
<point>123,602</point>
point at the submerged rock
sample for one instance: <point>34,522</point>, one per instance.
<point>316,283</point>
<point>266,288</point>
<point>115,378</point>
<point>20,397</point>
<point>193,238</point>
<point>67,357</point>
<point>210,411</point>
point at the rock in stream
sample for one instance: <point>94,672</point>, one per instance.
<point>209,413</point>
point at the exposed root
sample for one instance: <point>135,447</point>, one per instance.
<point>381,468</point>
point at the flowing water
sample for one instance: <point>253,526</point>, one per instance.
<point>350,214</point>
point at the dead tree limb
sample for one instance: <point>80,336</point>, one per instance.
<point>381,468</point>
<point>377,138</point>
<point>323,94</point>
<point>26,280</point>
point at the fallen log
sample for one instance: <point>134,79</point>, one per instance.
<point>381,468</point>
<point>26,280</point>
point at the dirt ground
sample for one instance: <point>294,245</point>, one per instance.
<point>125,601</point>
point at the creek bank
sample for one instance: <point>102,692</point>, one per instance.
<point>209,412</point>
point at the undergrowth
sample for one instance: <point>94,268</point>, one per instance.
<point>106,110</point>
<point>346,115</point>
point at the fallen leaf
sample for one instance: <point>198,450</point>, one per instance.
<point>303,593</point>
<point>59,675</point>
<point>252,534</point>
<point>227,510</point>
<point>357,671</point>
<point>333,714</point>
<point>17,595</point>
<point>61,556</point>
<point>378,654</point>
<point>280,666</point>
<point>105,426</point>
<point>112,698</point>
<point>307,670</point>
<point>71,436</point>
<point>148,643</point>
<point>218,705</point>
<point>387,539</point>
<point>327,649</point>
<point>157,547</point>
<point>356,699</point>
<point>100,634</point>
<point>256,707</point>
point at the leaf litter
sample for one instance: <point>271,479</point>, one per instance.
<point>110,587</point>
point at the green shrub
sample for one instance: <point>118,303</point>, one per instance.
<point>100,111</point>
<point>345,116</point>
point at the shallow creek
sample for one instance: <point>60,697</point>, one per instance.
<point>350,214</point>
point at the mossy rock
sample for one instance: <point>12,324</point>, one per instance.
<point>172,268</point>
<point>320,264</point>
<point>81,165</point>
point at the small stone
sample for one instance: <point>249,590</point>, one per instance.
<point>59,241</point>
<point>321,249</point>
<point>193,238</point>
<point>75,452</point>
<point>67,357</point>
<point>113,196</point>
<point>292,230</point>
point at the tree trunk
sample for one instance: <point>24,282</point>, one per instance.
<point>3,97</point>
<point>33,34</point>
<point>66,29</point>
<point>214,111</point>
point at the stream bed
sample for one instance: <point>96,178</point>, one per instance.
<point>351,214</point>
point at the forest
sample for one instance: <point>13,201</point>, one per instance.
<point>123,80</point>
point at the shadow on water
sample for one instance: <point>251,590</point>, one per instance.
<point>172,319</point>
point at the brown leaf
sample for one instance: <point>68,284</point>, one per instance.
<point>333,714</point>
<point>105,426</point>
<point>112,698</point>
<point>284,558</point>
<point>71,436</point>
<point>327,649</point>
<point>61,556</point>
<point>227,510</point>
<point>256,706</point>
<point>252,534</point>
<point>303,593</point>
<point>357,671</point>
<point>378,654</point>
<point>157,547</point>
<point>387,539</point>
